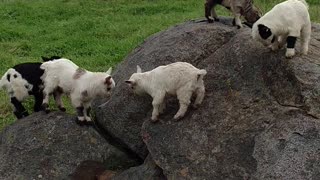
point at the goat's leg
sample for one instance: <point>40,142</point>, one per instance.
<point>199,95</point>
<point>305,38</point>
<point>184,97</point>
<point>156,102</point>
<point>162,107</point>
<point>76,102</point>
<point>237,16</point>
<point>87,109</point>
<point>214,14</point>
<point>57,97</point>
<point>38,98</point>
<point>291,42</point>
<point>275,44</point>
<point>282,41</point>
<point>46,95</point>
<point>19,110</point>
<point>207,8</point>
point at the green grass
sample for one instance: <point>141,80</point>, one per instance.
<point>95,34</point>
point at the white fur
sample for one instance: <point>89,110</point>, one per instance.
<point>17,87</point>
<point>82,90</point>
<point>180,78</point>
<point>289,18</point>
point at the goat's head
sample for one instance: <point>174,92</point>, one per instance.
<point>263,34</point>
<point>252,15</point>
<point>135,80</point>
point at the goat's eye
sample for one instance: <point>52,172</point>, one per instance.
<point>15,76</point>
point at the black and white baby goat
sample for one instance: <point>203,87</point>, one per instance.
<point>21,81</point>
<point>284,23</point>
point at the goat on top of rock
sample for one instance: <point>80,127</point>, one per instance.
<point>21,81</point>
<point>284,23</point>
<point>180,78</point>
<point>238,7</point>
<point>63,76</point>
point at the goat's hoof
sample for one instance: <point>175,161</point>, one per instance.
<point>80,123</point>
<point>216,19</point>
<point>177,117</point>
<point>210,21</point>
<point>47,111</point>
<point>290,53</point>
<point>195,106</point>
<point>234,22</point>
<point>304,52</point>
<point>63,109</point>
<point>88,123</point>
<point>239,27</point>
<point>154,119</point>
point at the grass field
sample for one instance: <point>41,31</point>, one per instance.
<point>95,34</point>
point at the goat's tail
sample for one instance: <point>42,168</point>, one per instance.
<point>305,3</point>
<point>201,73</point>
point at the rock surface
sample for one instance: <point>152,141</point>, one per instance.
<point>122,116</point>
<point>51,146</point>
<point>259,119</point>
<point>147,171</point>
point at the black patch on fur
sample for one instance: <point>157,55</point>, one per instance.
<point>291,42</point>
<point>264,31</point>
<point>45,59</point>
<point>8,77</point>
<point>31,72</point>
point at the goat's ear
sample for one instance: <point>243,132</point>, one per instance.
<point>108,80</point>
<point>130,83</point>
<point>139,69</point>
<point>109,71</point>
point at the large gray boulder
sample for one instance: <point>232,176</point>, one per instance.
<point>52,146</point>
<point>122,116</point>
<point>260,109</point>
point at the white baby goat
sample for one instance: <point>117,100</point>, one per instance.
<point>180,78</point>
<point>63,76</point>
<point>284,23</point>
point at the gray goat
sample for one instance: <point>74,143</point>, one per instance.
<point>238,8</point>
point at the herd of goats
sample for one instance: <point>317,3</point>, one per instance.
<point>56,76</point>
